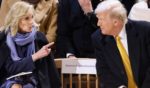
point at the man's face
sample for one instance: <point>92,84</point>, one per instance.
<point>105,22</point>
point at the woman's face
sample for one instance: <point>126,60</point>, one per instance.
<point>26,22</point>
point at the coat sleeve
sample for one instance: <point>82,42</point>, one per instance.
<point>46,67</point>
<point>146,81</point>
<point>15,67</point>
<point>64,32</point>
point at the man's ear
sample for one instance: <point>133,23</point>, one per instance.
<point>115,22</point>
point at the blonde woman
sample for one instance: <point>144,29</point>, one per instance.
<point>25,52</point>
<point>45,15</point>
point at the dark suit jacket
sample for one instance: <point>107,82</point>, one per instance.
<point>109,65</point>
<point>74,30</point>
<point>128,4</point>
<point>44,68</point>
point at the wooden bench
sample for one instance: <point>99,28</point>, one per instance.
<point>78,79</point>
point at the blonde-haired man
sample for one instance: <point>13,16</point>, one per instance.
<point>122,48</point>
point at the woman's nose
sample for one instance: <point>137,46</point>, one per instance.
<point>31,21</point>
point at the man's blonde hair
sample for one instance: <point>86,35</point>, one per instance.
<point>115,9</point>
<point>18,10</point>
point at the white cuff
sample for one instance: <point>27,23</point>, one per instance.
<point>122,86</point>
<point>69,54</point>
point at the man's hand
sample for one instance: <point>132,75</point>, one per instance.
<point>72,57</point>
<point>86,6</point>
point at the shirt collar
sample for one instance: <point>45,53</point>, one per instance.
<point>122,33</point>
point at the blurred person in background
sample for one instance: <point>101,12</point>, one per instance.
<point>140,11</point>
<point>128,4</point>
<point>75,27</point>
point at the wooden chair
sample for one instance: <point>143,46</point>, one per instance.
<point>77,73</point>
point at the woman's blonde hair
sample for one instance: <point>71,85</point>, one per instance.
<point>18,10</point>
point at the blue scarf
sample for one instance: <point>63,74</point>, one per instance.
<point>21,40</point>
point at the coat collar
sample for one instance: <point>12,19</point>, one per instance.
<point>133,47</point>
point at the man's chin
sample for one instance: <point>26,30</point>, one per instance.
<point>103,33</point>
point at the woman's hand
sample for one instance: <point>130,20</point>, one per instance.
<point>16,86</point>
<point>44,51</point>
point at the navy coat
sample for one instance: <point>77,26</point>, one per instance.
<point>45,68</point>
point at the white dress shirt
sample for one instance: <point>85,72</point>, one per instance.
<point>123,37</point>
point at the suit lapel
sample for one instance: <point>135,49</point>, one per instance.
<point>134,52</point>
<point>114,58</point>
<point>133,48</point>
